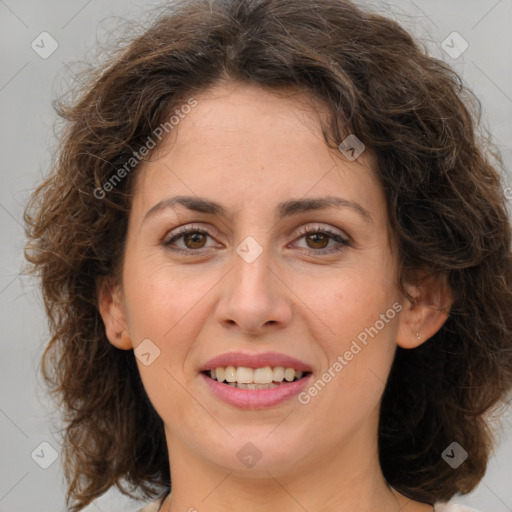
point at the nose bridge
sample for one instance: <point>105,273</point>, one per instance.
<point>252,268</point>
<point>254,296</point>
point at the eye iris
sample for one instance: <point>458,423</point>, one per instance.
<point>323,238</point>
<point>193,237</point>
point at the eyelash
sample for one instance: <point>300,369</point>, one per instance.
<point>304,232</point>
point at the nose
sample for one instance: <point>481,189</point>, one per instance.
<point>254,297</point>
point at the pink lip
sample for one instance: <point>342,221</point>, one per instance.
<point>255,361</point>
<point>256,398</point>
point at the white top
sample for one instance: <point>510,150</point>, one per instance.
<point>438,507</point>
<point>151,507</point>
<point>454,507</point>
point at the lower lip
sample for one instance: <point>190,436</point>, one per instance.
<point>256,398</point>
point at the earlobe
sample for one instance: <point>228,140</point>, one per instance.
<point>425,312</point>
<point>113,314</point>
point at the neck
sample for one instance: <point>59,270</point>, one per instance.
<point>350,480</point>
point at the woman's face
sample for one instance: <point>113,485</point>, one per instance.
<point>249,288</point>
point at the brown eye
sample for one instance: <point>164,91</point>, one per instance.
<point>319,240</point>
<point>192,239</point>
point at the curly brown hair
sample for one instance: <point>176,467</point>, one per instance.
<point>446,207</point>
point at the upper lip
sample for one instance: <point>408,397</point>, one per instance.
<point>255,361</point>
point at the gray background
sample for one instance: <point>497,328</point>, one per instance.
<point>28,84</point>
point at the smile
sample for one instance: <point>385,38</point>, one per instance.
<point>254,378</point>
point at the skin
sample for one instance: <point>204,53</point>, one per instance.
<point>250,149</point>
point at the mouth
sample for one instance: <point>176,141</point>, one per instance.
<point>266,377</point>
<point>257,380</point>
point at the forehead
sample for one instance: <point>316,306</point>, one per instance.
<point>248,145</point>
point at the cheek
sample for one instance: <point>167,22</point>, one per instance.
<point>360,343</point>
<point>162,297</point>
<point>350,303</point>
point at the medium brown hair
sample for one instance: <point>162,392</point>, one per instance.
<point>446,208</point>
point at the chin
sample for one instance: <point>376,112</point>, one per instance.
<point>257,456</point>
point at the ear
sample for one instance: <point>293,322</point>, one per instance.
<point>426,312</point>
<point>112,311</point>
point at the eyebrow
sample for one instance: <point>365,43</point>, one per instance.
<point>284,209</point>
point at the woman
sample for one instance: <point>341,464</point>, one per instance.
<point>276,263</point>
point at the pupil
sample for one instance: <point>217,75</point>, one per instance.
<point>322,238</point>
<point>193,238</point>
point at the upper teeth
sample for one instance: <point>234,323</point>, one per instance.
<point>265,375</point>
